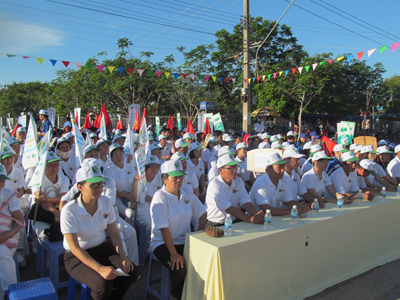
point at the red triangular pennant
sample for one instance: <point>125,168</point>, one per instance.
<point>131,71</point>
<point>184,76</point>
<point>360,54</point>
<point>66,63</point>
<point>294,70</point>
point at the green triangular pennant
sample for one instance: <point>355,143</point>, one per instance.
<point>89,66</point>
<point>321,63</point>
<point>240,80</point>
<point>381,49</point>
<point>269,76</point>
<point>11,55</point>
<point>199,77</point>
<point>150,72</point>
<point>307,67</point>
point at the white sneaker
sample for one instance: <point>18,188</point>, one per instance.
<point>21,260</point>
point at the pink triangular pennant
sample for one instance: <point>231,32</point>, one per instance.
<point>330,61</point>
<point>394,46</point>
<point>158,73</point>
<point>78,65</point>
<point>371,51</point>
<point>233,80</point>
<point>207,77</point>
<point>314,66</point>
<point>65,63</point>
<point>275,75</point>
<point>140,72</point>
<point>100,67</point>
<point>192,76</point>
<point>24,57</point>
<point>300,69</point>
<point>245,80</point>
<point>359,55</point>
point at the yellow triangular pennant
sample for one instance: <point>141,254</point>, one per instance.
<point>40,60</point>
<point>340,58</point>
<point>167,74</point>
<point>214,78</point>
<point>280,73</point>
<point>111,69</point>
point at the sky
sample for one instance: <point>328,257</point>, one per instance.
<point>75,30</point>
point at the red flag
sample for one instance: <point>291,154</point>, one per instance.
<point>96,122</point>
<point>190,127</point>
<point>76,118</point>
<point>87,124</point>
<point>145,116</point>
<point>120,124</point>
<point>328,145</point>
<point>15,130</point>
<point>207,128</point>
<point>170,124</point>
<point>136,125</point>
<point>107,118</point>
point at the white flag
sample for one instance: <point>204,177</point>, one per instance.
<point>79,145</point>
<point>30,157</point>
<point>37,177</point>
<point>103,129</point>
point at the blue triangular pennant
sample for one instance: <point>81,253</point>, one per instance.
<point>176,75</point>
<point>286,72</point>
<point>120,70</point>
<point>53,61</point>
<point>254,79</point>
<point>349,57</point>
<point>220,79</point>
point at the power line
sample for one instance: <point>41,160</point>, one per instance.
<point>127,17</point>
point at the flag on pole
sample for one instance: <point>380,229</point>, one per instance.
<point>103,130</point>
<point>96,122</point>
<point>120,124</point>
<point>104,114</point>
<point>136,125</point>
<point>79,145</point>
<point>30,157</point>
<point>87,124</point>
<point>170,124</point>
<point>207,128</point>
<point>145,116</point>
<point>190,127</point>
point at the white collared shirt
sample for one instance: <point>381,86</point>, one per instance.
<point>264,191</point>
<point>220,196</point>
<point>343,183</point>
<point>197,170</point>
<point>152,187</point>
<point>259,127</point>
<point>69,168</point>
<point>106,164</point>
<point>311,181</point>
<point>90,229</point>
<point>212,173</point>
<point>242,169</point>
<point>394,167</point>
<point>297,187</point>
<point>62,186</point>
<point>206,155</point>
<point>379,170</point>
<point>190,180</point>
<point>361,182</point>
<point>307,166</point>
<point>123,176</point>
<point>167,151</point>
<point>16,180</point>
<point>167,211</point>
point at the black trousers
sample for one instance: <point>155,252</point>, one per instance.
<point>177,276</point>
<point>101,288</point>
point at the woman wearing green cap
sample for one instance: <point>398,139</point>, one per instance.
<point>172,210</point>
<point>88,257</point>
<point>11,221</point>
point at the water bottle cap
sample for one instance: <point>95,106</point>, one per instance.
<point>315,200</point>
<point>268,210</point>
<point>294,206</point>
<point>360,191</point>
<point>228,215</point>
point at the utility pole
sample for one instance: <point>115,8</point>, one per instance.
<point>246,91</point>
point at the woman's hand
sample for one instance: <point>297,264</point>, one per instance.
<point>129,159</point>
<point>148,198</point>
<point>4,237</point>
<point>40,199</point>
<point>108,273</point>
<point>347,200</point>
<point>176,261</point>
<point>126,265</point>
<point>321,203</point>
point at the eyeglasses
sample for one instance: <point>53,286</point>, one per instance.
<point>232,168</point>
<point>97,185</point>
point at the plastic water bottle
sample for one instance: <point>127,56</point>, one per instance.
<point>359,196</point>
<point>267,220</point>
<point>383,193</point>
<point>398,190</point>
<point>315,207</point>
<point>340,204</point>
<point>228,225</point>
<point>293,215</point>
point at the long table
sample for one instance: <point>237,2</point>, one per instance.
<point>293,261</point>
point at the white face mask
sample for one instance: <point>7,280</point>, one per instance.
<point>64,155</point>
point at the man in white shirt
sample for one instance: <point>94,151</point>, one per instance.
<point>226,192</point>
<point>344,179</point>
<point>166,153</point>
<point>272,191</point>
<point>259,126</point>
<point>394,166</point>
<point>247,176</point>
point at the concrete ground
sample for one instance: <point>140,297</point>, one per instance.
<point>380,283</point>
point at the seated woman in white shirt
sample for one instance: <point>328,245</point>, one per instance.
<point>12,222</point>
<point>197,167</point>
<point>382,158</point>
<point>88,257</point>
<point>317,181</point>
<point>123,174</point>
<point>171,210</point>
<point>104,149</point>
<point>209,143</point>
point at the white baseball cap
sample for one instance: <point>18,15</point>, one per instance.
<point>339,148</point>
<point>241,146</point>
<point>224,150</point>
<point>101,141</point>
<point>276,145</point>
<point>274,138</point>
<point>89,148</point>
<point>12,141</point>
<point>353,147</point>
<point>321,155</point>
<point>51,156</point>
<point>173,168</point>
<point>290,133</point>
<point>358,148</point>
<point>181,143</point>
<point>228,138</point>
<point>383,149</point>
<point>226,160</point>
<point>91,174</point>
<point>162,136</point>
<point>195,146</point>
<point>275,159</point>
<point>155,146</point>
<point>43,112</point>
<point>368,149</point>
<point>117,136</point>
<point>178,156</point>
<point>3,173</point>
<point>188,136</point>
<point>265,135</point>
<point>92,135</point>
<point>292,152</point>
<point>345,141</point>
<point>280,137</point>
<point>151,160</point>
<point>368,165</point>
<point>68,135</point>
<point>63,139</point>
<point>397,149</point>
<point>213,139</point>
<point>348,156</point>
<point>263,145</point>
<point>314,149</point>
<point>7,151</point>
<point>307,145</point>
<point>114,147</point>
<point>21,129</point>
